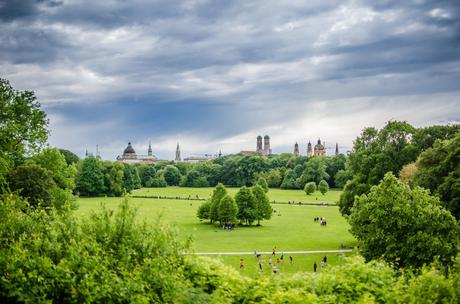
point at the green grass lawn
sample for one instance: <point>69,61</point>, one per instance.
<point>291,228</point>
<point>277,195</point>
<point>301,262</point>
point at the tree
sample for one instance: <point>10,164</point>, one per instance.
<point>70,157</point>
<point>147,173</point>
<point>90,178</point>
<point>342,177</point>
<point>114,179</point>
<point>33,183</point>
<point>323,187</point>
<point>289,181</point>
<point>227,210</point>
<point>376,152</point>
<point>438,169</point>
<point>194,179</point>
<point>403,226</point>
<point>263,183</point>
<point>333,166</point>
<point>204,210</point>
<point>262,204</point>
<point>171,175</point>
<point>217,195</point>
<point>310,188</point>
<point>23,126</point>
<point>315,171</point>
<point>52,160</point>
<point>157,182</point>
<point>274,178</point>
<point>131,179</point>
<point>246,206</point>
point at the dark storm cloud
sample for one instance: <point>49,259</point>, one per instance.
<point>220,69</point>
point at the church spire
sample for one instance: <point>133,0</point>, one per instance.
<point>149,152</point>
<point>336,149</point>
<point>177,159</point>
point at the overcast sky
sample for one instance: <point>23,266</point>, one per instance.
<point>215,74</point>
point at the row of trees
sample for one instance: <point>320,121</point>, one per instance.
<point>280,171</point>
<point>248,206</point>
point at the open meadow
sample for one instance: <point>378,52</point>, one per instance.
<point>292,228</point>
<point>275,195</point>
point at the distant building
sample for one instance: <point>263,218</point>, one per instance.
<point>129,156</point>
<point>319,150</point>
<point>309,150</point>
<point>177,159</point>
<point>296,149</point>
<point>265,150</point>
<point>198,159</point>
<point>336,149</point>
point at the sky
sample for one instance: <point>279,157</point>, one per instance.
<point>212,75</point>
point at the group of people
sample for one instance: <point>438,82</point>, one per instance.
<point>228,226</point>
<point>276,262</point>
<point>323,263</point>
<point>322,220</point>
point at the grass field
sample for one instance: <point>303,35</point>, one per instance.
<point>277,195</point>
<point>291,228</point>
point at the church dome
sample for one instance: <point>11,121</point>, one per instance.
<point>129,149</point>
<point>319,145</point>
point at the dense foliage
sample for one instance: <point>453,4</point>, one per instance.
<point>112,257</point>
<point>377,152</point>
<point>403,226</point>
<point>438,169</point>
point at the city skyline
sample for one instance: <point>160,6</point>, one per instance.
<point>212,75</point>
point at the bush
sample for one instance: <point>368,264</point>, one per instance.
<point>310,188</point>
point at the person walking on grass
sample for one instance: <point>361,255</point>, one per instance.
<point>274,251</point>
<point>241,263</point>
<point>291,259</point>
<point>260,266</point>
<point>314,267</point>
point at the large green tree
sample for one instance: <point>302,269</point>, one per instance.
<point>54,161</point>
<point>114,174</point>
<point>70,157</point>
<point>406,227</point>
<point>217,195</point>
<point>262,204</point>
<point>376,152</point>
<point>315,171</point>
<point>23,127</point>
<point>246,206</point>
<point>33,183</point>
<point>171,175</point>
<point>90,178</point>
<point>438,169</point>
<point>23,124</point>
<point>227,210</point>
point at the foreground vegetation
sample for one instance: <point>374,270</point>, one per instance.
<point>111,257</point>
